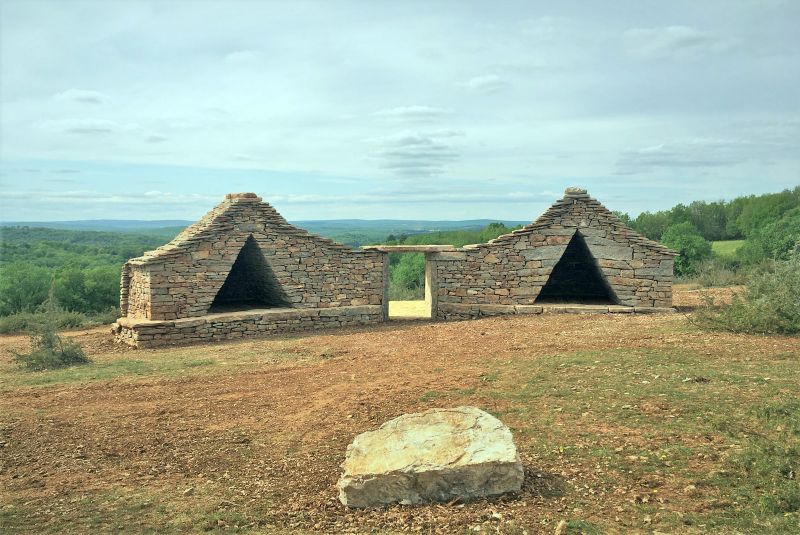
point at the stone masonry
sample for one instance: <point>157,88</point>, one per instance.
<point>507,275</point>
<point>243,271</point>
<point>167,294</point>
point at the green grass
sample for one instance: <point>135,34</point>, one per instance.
<point>726,248</point>
<point>671,397</point>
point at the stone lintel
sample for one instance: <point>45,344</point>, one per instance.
<point>409,248</point>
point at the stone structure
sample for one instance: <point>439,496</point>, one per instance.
<point>437,455</point>
<point>577,257</point>
<point>242,270</point>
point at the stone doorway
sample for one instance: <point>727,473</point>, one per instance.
<point>412,309</point>
<point>576,278</point>
<point>250,284</point>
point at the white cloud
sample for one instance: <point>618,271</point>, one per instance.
<point>82,96</point>
<point>242,57</point>
<point>414,113</point>
<point>692,153</point>
<point>679,42</point>
<point>415,153</point>
<point>86,126</point>
<point>156,138</point>
<point>489,83</point>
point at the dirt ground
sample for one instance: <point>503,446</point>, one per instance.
<point>249,435</point>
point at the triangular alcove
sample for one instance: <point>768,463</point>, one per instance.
<point>576,278</point>
<point>250,283</point>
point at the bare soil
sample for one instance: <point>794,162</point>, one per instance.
<point>249,435</point>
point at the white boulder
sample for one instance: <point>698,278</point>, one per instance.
<point>437,455</point>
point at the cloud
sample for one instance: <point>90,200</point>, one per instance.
<point>83,96</point>
<point>415,153</point>
<point>87,126</point>
<point>156,138</point>
<point>242,57</point>
<point>93,197</point>
<point>694,153</point>
<point>426,196</point>
<point>676,42</point>
<point>490,83</point>
<point>414,113</point>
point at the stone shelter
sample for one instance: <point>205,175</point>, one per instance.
<point>576,257</point>
<point>243,271</point>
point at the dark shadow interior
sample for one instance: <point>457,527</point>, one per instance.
<point>250,283</point>
<point>576,278</point>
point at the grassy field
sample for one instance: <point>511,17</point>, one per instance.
<point>625,424</point>
<point>726,248</point>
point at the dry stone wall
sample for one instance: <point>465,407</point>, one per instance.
<point>507,274</point>
<point>245,248</point>
<point>181,279</point>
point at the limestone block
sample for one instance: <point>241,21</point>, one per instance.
<point>550,252</point>
<point>434,456</point>
<point>616,252</point>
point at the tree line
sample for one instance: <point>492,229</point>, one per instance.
<point>83,267</point>
<point>769,225</point>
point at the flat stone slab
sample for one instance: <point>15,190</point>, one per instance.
<point>409,248</point>
<point>433,456</point>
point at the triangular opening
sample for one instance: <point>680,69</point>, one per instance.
<point>250,283</point>
<point>576,278</point>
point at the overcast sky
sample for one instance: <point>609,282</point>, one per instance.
<point>406,110</point>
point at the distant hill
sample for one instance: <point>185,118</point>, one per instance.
<point>107,225</point>
<point>352,232</point>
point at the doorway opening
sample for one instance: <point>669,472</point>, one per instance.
<point>576,278</point>
<point>250,283</point>
<point>409,291</point>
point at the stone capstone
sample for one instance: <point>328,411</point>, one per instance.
<point>433,456</point>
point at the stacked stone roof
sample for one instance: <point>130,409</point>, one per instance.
<point>222,220</point>
<point>558,213</point>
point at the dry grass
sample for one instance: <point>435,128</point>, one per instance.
<point>625,424</point>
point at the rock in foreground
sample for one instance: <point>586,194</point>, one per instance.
<point>436,455</point>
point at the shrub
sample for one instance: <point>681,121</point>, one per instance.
<point>716,272</point>
<point>770,304</point>
<point>693,248</point>
<point>48,350</point>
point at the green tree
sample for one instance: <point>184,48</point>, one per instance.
<point>775,240</point>
<point>410,271</point>
<point>652,225</point>
<point>102,288</point>
<point>23,287</point>
<point>70,289</point>
<point>693,248</point>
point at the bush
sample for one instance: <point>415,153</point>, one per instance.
<point>693,248</point>
<point>48,350</point>
<point>29,321</point>
<point>770,304</point>
<point>716,272</point>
